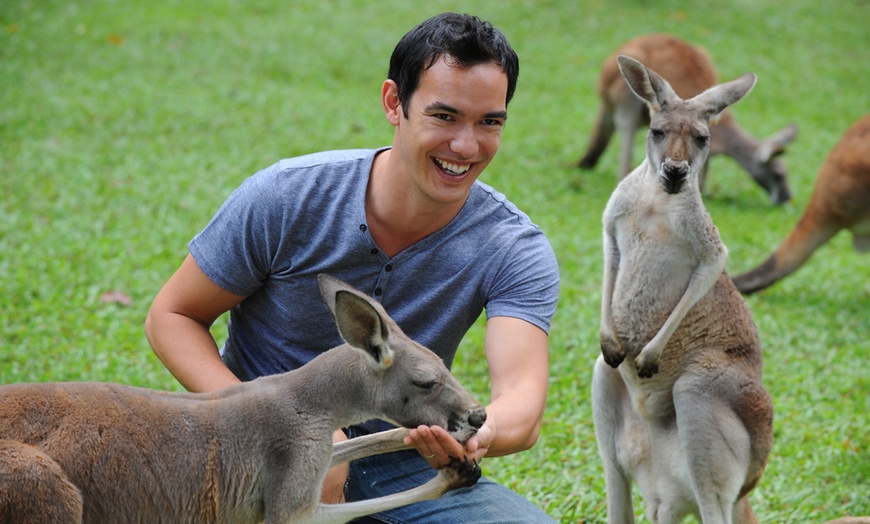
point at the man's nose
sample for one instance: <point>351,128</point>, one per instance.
<point>465,142</point>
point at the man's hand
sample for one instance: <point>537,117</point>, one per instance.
<point>478,445</point>
<point>437,446</point>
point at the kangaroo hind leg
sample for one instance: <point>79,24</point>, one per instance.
<point>601,135</point>
<point>34,489</point>
<point>717,446</point>
<point>616,424</point>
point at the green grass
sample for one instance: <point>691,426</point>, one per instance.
<point>124,125</point>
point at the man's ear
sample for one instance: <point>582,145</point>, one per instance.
<point>390,101</point>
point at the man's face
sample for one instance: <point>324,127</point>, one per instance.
<point>453,129</point>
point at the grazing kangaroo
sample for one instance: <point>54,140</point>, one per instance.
<point>677,397</point>
<point>840,200</point>
<point>254,452</point>
<point>689,71</point>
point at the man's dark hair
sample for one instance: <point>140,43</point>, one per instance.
<point>467,41</point>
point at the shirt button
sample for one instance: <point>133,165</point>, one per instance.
<point>362,227</point>
<point>389,267</point>
<point>378,292</point>
<point>374,251</point>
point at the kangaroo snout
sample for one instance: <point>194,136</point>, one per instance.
<point>465,424</point>
<point>673,175</point>
<point>477,418</point>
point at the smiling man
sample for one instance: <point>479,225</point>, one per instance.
<point>411,225</point>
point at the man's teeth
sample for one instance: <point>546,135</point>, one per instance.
<point>453,168</point>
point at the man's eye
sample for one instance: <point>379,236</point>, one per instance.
<point>492,122</point>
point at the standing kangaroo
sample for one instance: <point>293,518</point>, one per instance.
<point>689,71</point>
<point>840,200</point>
<point>677,396</point>
<point>87,452</point>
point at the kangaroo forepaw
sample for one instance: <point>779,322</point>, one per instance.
<point>612,352</point>
<point>461,473</point>
<point>646,366</point>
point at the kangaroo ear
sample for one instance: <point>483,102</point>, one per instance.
<point>773,146</point>
<point>717,98</point>
<point>360,324</point>
<point>654,90</point>
<point>329,286</point>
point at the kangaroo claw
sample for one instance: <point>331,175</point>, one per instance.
<point>462,473</point>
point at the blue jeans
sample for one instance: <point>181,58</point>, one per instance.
<point>485,502</point>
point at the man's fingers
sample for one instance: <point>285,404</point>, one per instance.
<point>435,444</point>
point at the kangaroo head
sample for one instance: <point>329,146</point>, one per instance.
<point>408,384</point>
<point>678,140</point>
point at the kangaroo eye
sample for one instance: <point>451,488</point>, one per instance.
<point>702,140</point>
<point>426,385</point>
<point>657,134</point>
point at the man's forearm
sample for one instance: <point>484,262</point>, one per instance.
<point>188,351</point>
<point>517,424</point>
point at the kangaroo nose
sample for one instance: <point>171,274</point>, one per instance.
<point>477,418</point>
<point>675,174</point>
<point>780,194</point>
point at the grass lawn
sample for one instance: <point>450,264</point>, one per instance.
<point>124,125</point>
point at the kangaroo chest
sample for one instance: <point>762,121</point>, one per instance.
<point>656,261</point>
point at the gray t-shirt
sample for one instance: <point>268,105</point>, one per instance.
<point>306,215</point>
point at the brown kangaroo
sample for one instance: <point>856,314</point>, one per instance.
<point>690,71</point>
<point>840,200</point>
<point>677,396</point>
<point>254,452</point>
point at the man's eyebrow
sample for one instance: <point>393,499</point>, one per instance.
<point>497,114</point>
<point>442,107</point>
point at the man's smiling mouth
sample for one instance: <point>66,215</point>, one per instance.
<point>451,168</point>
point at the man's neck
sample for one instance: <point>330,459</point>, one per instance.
<point>397,217</point>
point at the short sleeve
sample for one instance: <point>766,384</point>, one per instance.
<point>236,248</point>
<point>527,284</point>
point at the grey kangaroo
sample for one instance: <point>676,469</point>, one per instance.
<point>678,400</point>
<point>689,70</point>
<point>254,452</point>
